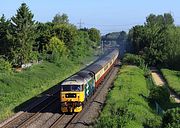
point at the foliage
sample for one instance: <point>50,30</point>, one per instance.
<point>22,35</point>
<point>132,59</point>
<point>57,49</point>
<point>171,118</point>
<point>159,94</point>
<point>4,44</point>
<point>22,40</point>
<point>60,19</point>
<point>157,41</point>
<point>127,104</point>
<point>174,48</point>
<point>66,33</point>
<point>44,34</point>
<point>5,66</point>
<point>173,79</point>
<point>160,20</point>
<point>94,36</point>
<point>81,46</point>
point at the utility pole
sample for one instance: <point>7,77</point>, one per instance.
<point>80,24</point>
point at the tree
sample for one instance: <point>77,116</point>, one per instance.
<point>44,34</point>
<point>4,44</point>
<point>160,20</point>
<point>82,46</point>
<point>94,36</point>
<point>151,40</point>
<point>60,19</point>
<point>168,19</point>
<point>122,36</point>
<point>57,49</point>
<point>138,38</point>
<point>173,47</point>
<point>22,35</point>
<point>66,33</point>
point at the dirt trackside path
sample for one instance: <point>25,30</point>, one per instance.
<point>159,81</point>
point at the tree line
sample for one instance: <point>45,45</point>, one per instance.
<point>157,41</point>
<point>23,40</point>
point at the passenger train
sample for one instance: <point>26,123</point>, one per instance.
<point>78,88</point>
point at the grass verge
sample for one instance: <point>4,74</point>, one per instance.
<point>173,79</point>
<point>127,103</point>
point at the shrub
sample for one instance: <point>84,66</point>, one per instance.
<point>57,49</point>
<point>159,94</point>
<point>5,66</point>
<point>132,59</point>
<point>171,119</point>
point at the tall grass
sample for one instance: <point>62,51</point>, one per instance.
<point>127,103</point>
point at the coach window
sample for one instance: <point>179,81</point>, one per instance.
<point>106,67</point>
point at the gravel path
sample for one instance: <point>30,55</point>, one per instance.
<point>159,81</point>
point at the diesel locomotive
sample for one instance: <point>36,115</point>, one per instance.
<point>78,88</point>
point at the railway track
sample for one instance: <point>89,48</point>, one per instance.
<point>63,121</point>
<point>32,113</point>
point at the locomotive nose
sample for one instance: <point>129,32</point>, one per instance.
<point>70,95</point>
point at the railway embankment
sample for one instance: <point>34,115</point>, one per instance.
<point>127,103</point>
<point>17,88</point>
<point>136,101</point>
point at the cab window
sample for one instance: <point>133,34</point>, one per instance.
<point>71,88</point>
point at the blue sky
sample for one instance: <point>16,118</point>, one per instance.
<point>106,15</point>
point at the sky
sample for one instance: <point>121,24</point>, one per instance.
<point>106,15</point>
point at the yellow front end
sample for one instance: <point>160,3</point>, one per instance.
<point>71,101</point>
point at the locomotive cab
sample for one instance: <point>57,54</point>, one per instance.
<point>71,98</point>
<point>75,90</point>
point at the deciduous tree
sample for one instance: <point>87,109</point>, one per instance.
<point>60,19</point>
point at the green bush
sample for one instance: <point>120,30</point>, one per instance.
<point>5,66</point>
<point>159,94</point>
<point>132,59</point>
<point>171,119</point>
<point>57,49</point>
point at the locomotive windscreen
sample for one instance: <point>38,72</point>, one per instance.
<point>72,88</point>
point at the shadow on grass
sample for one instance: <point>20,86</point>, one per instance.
<point>51,95</point>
